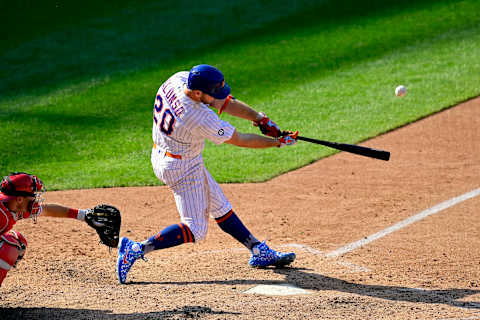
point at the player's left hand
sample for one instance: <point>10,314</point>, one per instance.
<point>267,126</point>
<point>289,139</point>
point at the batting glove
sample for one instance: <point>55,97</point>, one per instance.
<point>267,126</point>
<point>288,140</point>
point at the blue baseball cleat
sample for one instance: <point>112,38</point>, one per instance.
<point>263,256</point>
<point>128,252</point>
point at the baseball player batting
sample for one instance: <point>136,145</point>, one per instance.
<point>21,198</point>
<point>182,120</point>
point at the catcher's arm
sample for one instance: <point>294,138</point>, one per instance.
<point>104,218</point>
<point>59,211</point>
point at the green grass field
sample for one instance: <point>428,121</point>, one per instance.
<point>76,92</point>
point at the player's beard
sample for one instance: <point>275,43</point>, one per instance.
<point>207,99</point>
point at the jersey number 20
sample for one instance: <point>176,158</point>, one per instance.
<point>167,119</point>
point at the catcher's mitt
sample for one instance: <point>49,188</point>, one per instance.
<point>106,220</point>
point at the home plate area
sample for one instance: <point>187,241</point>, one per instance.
<point>277,290</point>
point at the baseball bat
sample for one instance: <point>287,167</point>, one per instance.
<point>352,148</point>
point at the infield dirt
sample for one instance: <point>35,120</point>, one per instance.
<point>427,270</point>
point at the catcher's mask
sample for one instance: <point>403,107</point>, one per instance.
<point>21,184</point>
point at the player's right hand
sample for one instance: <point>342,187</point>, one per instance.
<point>268,127</point>
<point>289,139</point>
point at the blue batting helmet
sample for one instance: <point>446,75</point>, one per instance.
<point>209,80</point>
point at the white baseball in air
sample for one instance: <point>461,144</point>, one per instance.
<point>400,91</point>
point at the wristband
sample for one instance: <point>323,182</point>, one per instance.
<point>78,214</point>
<point>72,213</point>
<point>81,214</point>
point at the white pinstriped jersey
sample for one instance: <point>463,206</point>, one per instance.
<point>180,124</point>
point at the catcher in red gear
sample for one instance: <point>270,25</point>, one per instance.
<point>21,197</point>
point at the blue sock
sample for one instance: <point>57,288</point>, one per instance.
<point>232,225</point>
<point>171,236</point>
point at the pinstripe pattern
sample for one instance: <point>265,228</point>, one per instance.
<point>197,194</point>
<point>194,121</point>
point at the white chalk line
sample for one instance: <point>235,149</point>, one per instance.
<point>433,210</point>
<point>357,244</point>
<point>469,318</point>
<point>348,265</point>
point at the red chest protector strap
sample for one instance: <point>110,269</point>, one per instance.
<point>7,219</point>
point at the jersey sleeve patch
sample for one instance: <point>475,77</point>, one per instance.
<point>215,129</point>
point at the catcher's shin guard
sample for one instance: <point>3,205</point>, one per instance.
<point>12,249</point>
<point>3,274</point>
